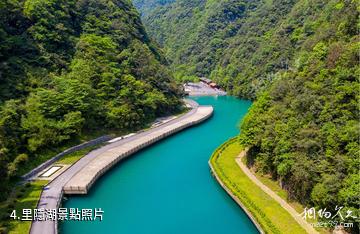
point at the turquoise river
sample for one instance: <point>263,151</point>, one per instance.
<point>168,188</point>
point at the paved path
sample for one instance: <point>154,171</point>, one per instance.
<point>52,194</point>
<point>282,202</point>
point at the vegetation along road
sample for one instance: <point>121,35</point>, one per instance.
<point>265,211</point>
<point>272,194</point>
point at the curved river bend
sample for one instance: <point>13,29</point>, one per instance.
<point>167,188</point>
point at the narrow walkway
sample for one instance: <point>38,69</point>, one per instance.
<point>282,202</point>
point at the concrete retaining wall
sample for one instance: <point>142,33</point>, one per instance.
<point>248,213</point>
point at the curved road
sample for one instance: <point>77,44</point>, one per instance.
<point>52,194</point>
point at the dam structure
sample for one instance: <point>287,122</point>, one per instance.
<point>79,178</point>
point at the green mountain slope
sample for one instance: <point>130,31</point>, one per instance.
<point>304,129</point>
<point>241,44</point>
<point>72,67</point>
<point>194,33</point>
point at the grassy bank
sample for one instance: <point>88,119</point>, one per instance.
<point>23,196</point>
<point>267,212</point>
<point>73,157</point>
<point>274,186</point>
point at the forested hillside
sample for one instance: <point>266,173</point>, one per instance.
<point>69,67</point>
<point>195,33</point>
<point>304,129</point>
<point>241,44</point>
<point>300,61</point>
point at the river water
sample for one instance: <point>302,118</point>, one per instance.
<point>167,188</point>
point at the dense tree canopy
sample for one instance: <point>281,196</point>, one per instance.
<point>196,33</point>
<point>304,129</point>
<point>72,66</point>
<point>241,44</point>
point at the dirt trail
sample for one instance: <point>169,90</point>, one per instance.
<point>282,202</point>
